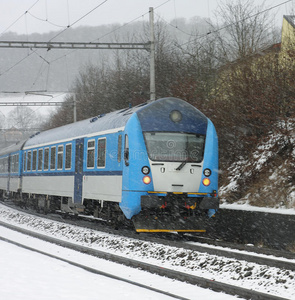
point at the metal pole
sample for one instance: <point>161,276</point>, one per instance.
<point>75,108</point>
<point>152,57</point>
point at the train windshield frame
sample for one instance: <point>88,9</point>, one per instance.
<point>175,146</point>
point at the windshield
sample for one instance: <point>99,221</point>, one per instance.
<point>174,146</point>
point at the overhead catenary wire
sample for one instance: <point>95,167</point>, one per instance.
<point>29,54</point>
<point>114,30</point>
<point>33,111</point>
<point>237,22</point>
<point>46,20</point>
<point>78,20</point>
<point>75,22</point>
<point>19,17</point>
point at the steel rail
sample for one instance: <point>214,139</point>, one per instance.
<point>230,250</point>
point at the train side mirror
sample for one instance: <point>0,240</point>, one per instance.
<point>126,150</point>
<point>126,156</point>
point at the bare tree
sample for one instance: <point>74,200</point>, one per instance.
<point>24,118</point>
<point>242,29</point>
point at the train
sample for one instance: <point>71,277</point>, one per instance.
<point>154,165</point>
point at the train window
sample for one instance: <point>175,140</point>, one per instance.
<point>52,158</point>
<point>46,158</point>
<point>24,161</point>
<point>16,162</point>
<point>29,161</point>
<point>101,153</point>
<point>119,148</point>
<point>6,164</point>
<point>90,154</point>
<point>12,163</point>
<point>174,146</point>
<point>40,159</point>
<point>126,150</point>
<point>60,154</point>
<point>68,156</point>
<point>34,160</point>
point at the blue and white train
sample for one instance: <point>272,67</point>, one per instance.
<point>155,164</point>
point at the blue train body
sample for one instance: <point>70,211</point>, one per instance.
<point>156,163</point>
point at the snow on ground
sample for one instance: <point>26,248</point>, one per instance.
<point>27,275</point>
<point>248,207</point>
<point>248,275</point>
<point>266,177</point>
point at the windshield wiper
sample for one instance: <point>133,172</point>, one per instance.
<point>181,166</point>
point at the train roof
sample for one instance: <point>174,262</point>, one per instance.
<point>151,115</point>
<point>99,123</point>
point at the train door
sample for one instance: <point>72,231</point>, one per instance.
<point>78,182</point>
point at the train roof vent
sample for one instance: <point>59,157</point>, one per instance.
<point>142,104</point>
<point>96,118</point>
<point>123,110</point>
<point>34,134</point>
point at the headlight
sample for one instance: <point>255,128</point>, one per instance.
<point>146,179</point>
<point>207,172</point>
<point>206,181</point>
<point>175,116</point>
<point>145,170</point>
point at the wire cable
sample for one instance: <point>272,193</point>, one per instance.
<point>17,63</point>
<point>35,51</point>
<point>46,20</point>
<point>114,30</point>
<point>78,20</point>
<point>19,17</point>
<point>235,23</point>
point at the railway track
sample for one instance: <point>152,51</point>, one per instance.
<point>198,243</point>
<point>181,276</point>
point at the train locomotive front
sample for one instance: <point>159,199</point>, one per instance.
<point>170,172</point>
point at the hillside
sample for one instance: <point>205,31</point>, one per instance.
<point>267,178</point>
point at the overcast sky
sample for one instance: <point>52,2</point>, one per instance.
<point>29,16</point>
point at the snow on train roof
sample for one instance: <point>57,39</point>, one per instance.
<point>104,122</point>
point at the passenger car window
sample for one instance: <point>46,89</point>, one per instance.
<point>90,154</point>
<point>40,159</point>
<point>101,153</point>
<point>25,161</point>
<point>46,158</point>
<point>34,160</point>
<point>68,156</point>
<point>29,161</point>
<point>52,158</point>
<point>60,153</point>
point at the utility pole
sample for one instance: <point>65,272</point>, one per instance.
<point>152,57</point>
<point>75,107</point>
